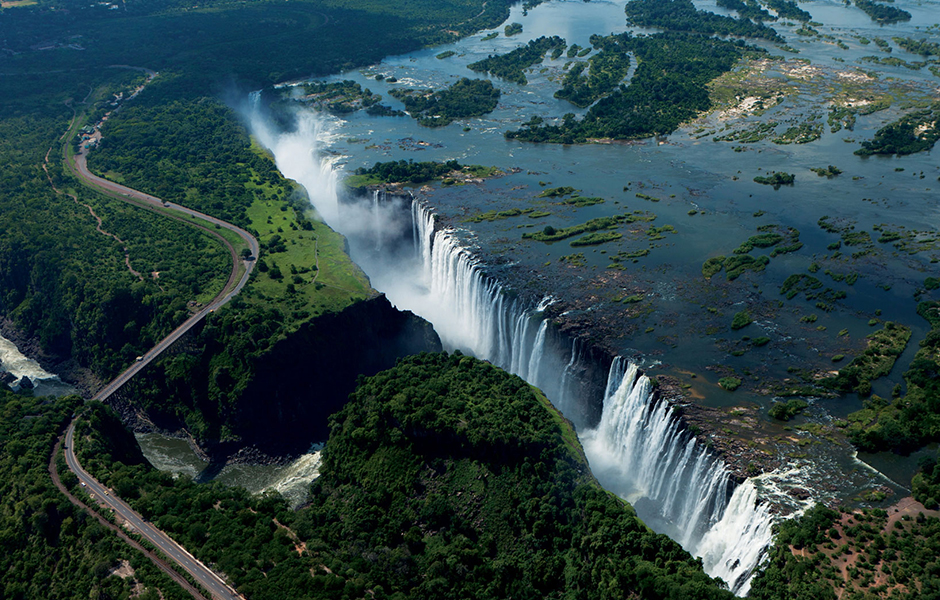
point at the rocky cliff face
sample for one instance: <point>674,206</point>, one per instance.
<point>295,385</point>
<point>309,376</point>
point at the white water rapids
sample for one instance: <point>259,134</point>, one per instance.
<point>19,365</point>
<point>639,449</point>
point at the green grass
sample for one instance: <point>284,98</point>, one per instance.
<point>594,239</point>
<point>337,283</point>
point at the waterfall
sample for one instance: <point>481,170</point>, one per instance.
<point>640,451</point>
<point>377,219</point>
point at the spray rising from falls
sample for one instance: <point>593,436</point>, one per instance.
<point>638,450</point>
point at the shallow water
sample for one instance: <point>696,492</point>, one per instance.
<point>176,456</point>
<point>686,174</point>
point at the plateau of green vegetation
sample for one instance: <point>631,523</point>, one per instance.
<point>51,548</point>
<point>776,179</point>
<point>869,553</point>
<point>64,282</point>
<point>176,166</point>
<point>877,360</point>
<point>459,479</point>
<point>915,132</point>
<point>681,15</point>
<point>465,98</point>
<point>729,383</point>
<point>882,13</point>
<point>512,65</point>
<point>908,422</point>
<point>411,172</point>
<point>608,67</point>
<point>338,97</point>
<point>668,88</point>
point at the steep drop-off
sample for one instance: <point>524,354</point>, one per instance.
<point>276,401</point>
<point>443,477</point>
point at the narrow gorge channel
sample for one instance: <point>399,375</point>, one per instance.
<point>637,446</point>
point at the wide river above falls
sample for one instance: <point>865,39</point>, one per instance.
<point>701,187</point>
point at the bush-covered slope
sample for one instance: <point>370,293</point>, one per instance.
<point>447,477</point>
<point>861,555</point>
<point>51,549</point>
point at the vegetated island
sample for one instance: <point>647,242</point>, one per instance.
<point>681,15</point>
<point>882,13</point>
<point>512,65</point>
<point>465,98</point>
<point>776,179</point>
<point>452,477</point>
<point>914,132</point>
<point>411,172</point>
<point>668,88</point>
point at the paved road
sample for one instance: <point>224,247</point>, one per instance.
<point>206,577</point>
<point>232,287</point>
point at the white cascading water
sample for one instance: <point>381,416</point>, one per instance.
<point>16,363</point>
<point>638,450</point>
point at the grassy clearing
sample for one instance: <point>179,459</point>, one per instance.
<point>303,269</point>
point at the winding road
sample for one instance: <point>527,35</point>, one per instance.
<point>241,271</point>
<point>234,285</point>
<point>170,549</point>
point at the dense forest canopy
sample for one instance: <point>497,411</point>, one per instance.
<point>442,477</point>
<point>667,89</point>
<point>51,549</point>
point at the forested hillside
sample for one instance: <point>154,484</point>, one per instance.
<point>64,281</point>
<point>442,477</point>
<point>51,549</point>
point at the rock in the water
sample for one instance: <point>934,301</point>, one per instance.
<point>7,377</point>
<point>26,383</point>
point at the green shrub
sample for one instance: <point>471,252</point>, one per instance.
<point>741,320</point>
